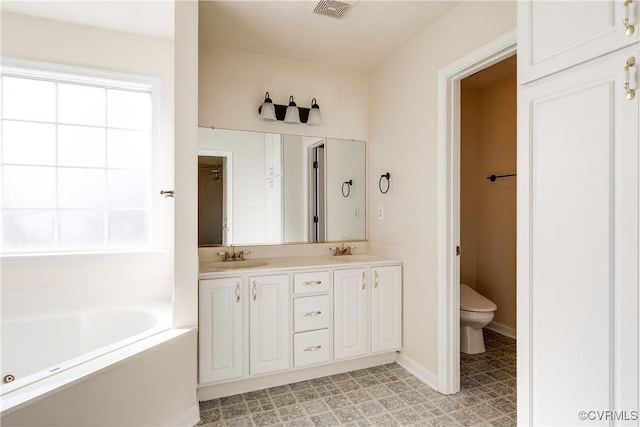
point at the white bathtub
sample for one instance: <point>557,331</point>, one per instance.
<point>36,348</point>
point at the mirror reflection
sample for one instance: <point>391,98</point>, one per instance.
<point>259,188</point>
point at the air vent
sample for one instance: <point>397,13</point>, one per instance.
<point>334,9</point>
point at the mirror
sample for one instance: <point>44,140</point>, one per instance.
<point>264,188</point>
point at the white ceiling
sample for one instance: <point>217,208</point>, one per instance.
<point>370,31</point>
<point>152,18</point>
<point>286,29</point>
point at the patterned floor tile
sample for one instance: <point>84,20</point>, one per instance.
<point>385,395</point>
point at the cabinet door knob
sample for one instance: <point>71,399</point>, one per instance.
<point>377,280</point>
<point>364,281</point>
<point>630,83</point>
<point>628,17</point>
<point>254,290</point>
<point>312,348</point>
<point>238,291</point>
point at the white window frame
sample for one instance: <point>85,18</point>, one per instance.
<point>63,73</point>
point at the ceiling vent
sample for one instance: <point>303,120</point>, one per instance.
<point>333,8</point>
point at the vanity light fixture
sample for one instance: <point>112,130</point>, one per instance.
<point>267,110</point>
<point>289,113</point>
<point>315,118</point>
<point>293,114</point>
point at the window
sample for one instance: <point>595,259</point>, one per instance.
<point>76,162</point>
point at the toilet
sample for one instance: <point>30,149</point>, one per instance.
<point>476,312</point>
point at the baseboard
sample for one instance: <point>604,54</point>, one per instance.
<point>502,329</point>
<point>423,374</point>
<point>189,418</point>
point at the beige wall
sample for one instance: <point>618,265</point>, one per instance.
<point>232,86</point>
<point>468,190</point>
<point>402,140</point>
<point>488,209</point>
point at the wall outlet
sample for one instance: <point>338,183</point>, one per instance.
<point>380,212</point>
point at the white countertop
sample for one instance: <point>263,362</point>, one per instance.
<point>209,268</point>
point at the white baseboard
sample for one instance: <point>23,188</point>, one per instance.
<point>502,329</point>
<point>423,374</point>
<point>189,418</point>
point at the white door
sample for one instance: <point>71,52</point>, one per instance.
<point>386,309</point>
<point>578,245</point>
<point>554,35</point>
<point>350,291</point>
<point>269,330</point>
<point>220,331</point>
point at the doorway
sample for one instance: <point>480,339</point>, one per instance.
<point>488,189</point>
<point>317,181</point>
<point>448,247</point>
<point>214,202</point>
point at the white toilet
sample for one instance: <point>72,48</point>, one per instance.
<point>476,312</point>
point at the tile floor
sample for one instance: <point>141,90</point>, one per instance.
<point>385,395</point>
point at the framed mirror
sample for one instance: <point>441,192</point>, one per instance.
<point>264,188</point>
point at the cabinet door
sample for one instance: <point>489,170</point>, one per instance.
<point>220,332</point>
<point>578,243</point>
<point>350,312</point>
<point>386,309</point>
<point>554,35</point>
<point>269,332</point>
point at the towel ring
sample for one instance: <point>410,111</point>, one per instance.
<point>348,191</point>
<point>384,176</point>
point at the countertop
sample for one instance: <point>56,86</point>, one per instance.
<point>210,269</point>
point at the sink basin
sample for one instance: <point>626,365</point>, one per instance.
<point>345,259</point>
<point>230,265</point>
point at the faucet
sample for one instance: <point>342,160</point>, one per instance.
<point>337,251</point>
<point>233,255</point>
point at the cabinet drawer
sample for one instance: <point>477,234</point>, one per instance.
<point>311,313</point>
<point>310,348</point>
<point>306,283</point>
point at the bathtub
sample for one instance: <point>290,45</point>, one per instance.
<point>34,349</point>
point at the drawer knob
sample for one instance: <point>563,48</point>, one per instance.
<point>312,283</point>
<point>312,313</point>
<point>312,348</point>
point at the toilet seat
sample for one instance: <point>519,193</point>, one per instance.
<point>472,301</point>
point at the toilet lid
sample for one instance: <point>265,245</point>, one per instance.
<point>470,300</point>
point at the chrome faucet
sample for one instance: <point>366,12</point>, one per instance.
<point>233,255</point>
<point>342,250</point>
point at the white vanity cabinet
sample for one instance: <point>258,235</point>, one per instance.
<point>368,311</point>
<point>258,326</point>
<point>268,323</point>
<point>221,303</point>
<point>311,318</point>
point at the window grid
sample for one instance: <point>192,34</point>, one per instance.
<point>107,207</point>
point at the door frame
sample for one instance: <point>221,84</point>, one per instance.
<point>227,191</point>
<point>448,235</point>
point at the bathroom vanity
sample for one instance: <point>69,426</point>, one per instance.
<point>271,321</point>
